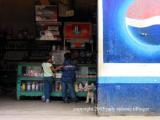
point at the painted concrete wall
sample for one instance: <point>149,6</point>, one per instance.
<point>128,57</point>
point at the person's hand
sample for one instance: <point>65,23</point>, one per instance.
<point>60,67</point>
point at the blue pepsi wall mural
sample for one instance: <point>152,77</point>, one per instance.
<point>129,56</point>
<point>131,31</point>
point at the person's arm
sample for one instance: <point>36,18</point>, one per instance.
<point>55,69</point>
<point>59,67</point>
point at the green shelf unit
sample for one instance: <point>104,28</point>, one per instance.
<point>56,94</point>
<point>86,79</point>
<point>81,94</point>
<point>53,94</point>
<point>34,78</point>
<point>31,93</point>
<point>78,94</point>
<point>56,79</point>
<point>30,78</point>
<point>21,77</point>
<point>21,65</point>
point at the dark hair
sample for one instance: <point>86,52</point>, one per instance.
<point>48,57</point>
<point>67,55</point>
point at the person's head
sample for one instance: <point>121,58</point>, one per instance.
<point>49,59</point>
<point>67,55</point>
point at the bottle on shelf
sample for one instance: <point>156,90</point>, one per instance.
<point>86,86</point>
<point>37,86</point>
<point>28,86</point>
<point>57,86</point>
<point>23,87</point>
<point>60,87</point>
<point>76,87</point>
<point>33,86</point>
<point>80,87</point>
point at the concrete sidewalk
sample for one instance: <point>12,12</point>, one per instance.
<point>10,109</point>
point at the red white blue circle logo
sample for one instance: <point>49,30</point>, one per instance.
<point>143,21</point>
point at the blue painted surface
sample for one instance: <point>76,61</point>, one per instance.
<point>152,32</point>
<point>132,97</point>
<point>124,44</point>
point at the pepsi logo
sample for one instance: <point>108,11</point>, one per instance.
<point>143,21</point>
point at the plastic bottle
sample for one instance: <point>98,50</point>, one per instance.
<point>33,86</point>
<point>76,88</point>
<point>60,87</point>
<point>80,87</point>
<point>37,86</point>
<point>28,86</point>
<point>86,86</point>
<point>23,87</point>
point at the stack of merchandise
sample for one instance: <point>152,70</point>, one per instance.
<point>31,86</point>
<point>58,87</point>
<point>82,86</point>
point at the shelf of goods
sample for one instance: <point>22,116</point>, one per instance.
<point>30,80</point>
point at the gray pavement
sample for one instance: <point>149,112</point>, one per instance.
<point>11,109</point>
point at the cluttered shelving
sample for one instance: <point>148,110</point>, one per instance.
<point>30,80</point>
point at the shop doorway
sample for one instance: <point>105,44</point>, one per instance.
<point>37,29</point>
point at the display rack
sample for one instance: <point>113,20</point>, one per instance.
<point>30,80</point>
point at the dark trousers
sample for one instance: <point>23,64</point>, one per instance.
<point>68,87</point>
<point>47,87</point>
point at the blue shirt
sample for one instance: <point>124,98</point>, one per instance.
<point>69,71</point>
